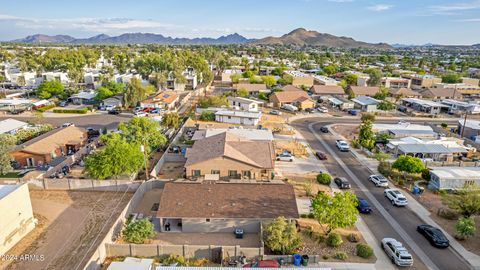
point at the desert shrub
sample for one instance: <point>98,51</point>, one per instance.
<point>79,111</point>
<point>207,116</point>
<point>46,108</point>
<point>341,256</point>
<point>325,257</point>
<point>465,228</point>
<point>324,178</point>
<point>171,259</point>
<point>448,213</point>
<point>385,168</point>
<point>353,237</point>
<point>364,251</point>
<point>138,231</point>
<point>334,240</point>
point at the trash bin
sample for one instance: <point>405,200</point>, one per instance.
<point>305,260</point>
<point>281,261</point>
<point>415,190</point>
<point>297,259</point>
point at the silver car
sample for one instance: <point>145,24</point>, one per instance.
<point>397,252</point>
<point>378,180</point>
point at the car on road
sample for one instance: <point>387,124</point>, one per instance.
<point>275,112</point>
<point>342,182</point>
<point>343,145</point>
<point>114,111</point>
<point>140,113</point>
<point>322,109</point>
<point>395,196</point>
<point>363,206</point>
<point>434,235</point>
<point>353,112</point>
<point>397,252</point>
<point>285,157</point>
<point>378,180</point>
<point>324,129</point>
<point>310,110</point>
<point>321,155</point>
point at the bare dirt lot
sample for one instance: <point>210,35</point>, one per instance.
<point>220,239</point>
<point>69,223</point>
<point>172,170</point>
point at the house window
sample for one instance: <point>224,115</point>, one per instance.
<point>469,183</point>
<point>247,174</point>
<point>229,117</point>
<point>215,172</point>
<point>195,173</point>
<point>232,174</point>
<point>207,220</point>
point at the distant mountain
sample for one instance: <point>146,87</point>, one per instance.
<point>302,36</point>
<point>135,38</point>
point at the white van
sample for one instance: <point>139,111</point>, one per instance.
<point>289,107</point>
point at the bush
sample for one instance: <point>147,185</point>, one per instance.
<point>324,178</point>
<point>341,256</point>
<point>353,237</point>
<point>172,259</point>
<point>334,240</point>
<point>207,116</point>
<point>385,168</point>
<point>325,257</point>
<point>465,228</point>
<point>46,108</point>
<point>364,251</point>
<point>138,231</point>
<point>79,111</point>
<point>447,213</point>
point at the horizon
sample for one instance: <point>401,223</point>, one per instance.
<point>444,22</point>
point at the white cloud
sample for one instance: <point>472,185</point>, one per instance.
<point>380,7</point>
<point>456,8</point>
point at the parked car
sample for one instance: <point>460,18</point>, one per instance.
<point>395,196</point>
<point>397,252</point>
<point>309,110</point>
<point>342,182</point>
<point>275,112</point>
<point>290,107</point>
<point>140,113</point>
<point>353,112</point>
<point>285,157</point>
<point>434,235</point>
<point>156,110</point>
<point>324,129</point>
<point>63,104</point>
<point>378,180</point>
<point>114,111</point>
<point>68,124</point>
<point>322,109</point>
<point>321,155</point>
<point>363,206</point>
<point>343,145</point>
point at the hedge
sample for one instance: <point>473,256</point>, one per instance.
<point>80,111</point>
<point>46,108</point>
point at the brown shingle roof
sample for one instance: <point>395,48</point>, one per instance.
<point>54,139</point>
<point>289,96</point>
<point>441,92</point>
<point>227,200</point>
<point>365,90</point>
<point>407,92</point>
<point>291,88</point>
<point>259,154</point>
<point>166,97</point>
<point>327,90</point>
<point>251,87</point>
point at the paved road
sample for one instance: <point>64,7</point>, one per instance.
<point>386,221</point>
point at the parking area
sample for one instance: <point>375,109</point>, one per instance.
<point>217,239</point>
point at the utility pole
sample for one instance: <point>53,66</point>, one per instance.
<point>464,123</point>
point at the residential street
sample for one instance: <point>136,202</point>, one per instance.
<point>386,220</point>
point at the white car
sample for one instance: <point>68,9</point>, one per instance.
<point>285,157</point>
<point>343,145</point>
<point>378,180</point>
<point>395,196</point>
<point>275,112</point>
<point>68,125</point>
<point>397,252</point>
<point>290,107</point>
<point>140,114</point>
<point>322,109</point>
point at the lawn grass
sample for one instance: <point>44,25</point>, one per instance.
<point>9,175</point>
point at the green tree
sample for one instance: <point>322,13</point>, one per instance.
<point>381,94</point>
<point>262,96</point>
<point>366,136</point>
<point>242,92</point>
<point>138,231</point>
<point>235,77</point>
<point>171,120</point>
<point>286,79</point>
<point>212,101</point>
<point>330,70</point>
<point>408,164</point>
<point>103,93</point>
<point>269,81</point>
<point>375,76</point>
<point>466,201</point>
<point>281,236</point>
<point>324,178</point>
<point>207,116</point>
<point>143,131</point>
<point>351,79</point>
<point>7,143</point>
<point>350,93</point>
<point>368,117</point>
<point>451,78</point>
<point>465,227</point>
<point>337,211</point>
<point>248,74</point>
<point>47,89</point>
<point>117,158</point>
<point>386,106</point>
<point>136,92</point>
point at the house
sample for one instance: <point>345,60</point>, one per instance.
<point>456,106</point>
<point>84,97</point>
<point>470,81</point>
<point>114,101</point>
<point>324,90</point>
<point>166,100</point>
<point>462,88</point>
<point>469,128</point>
<point>297,98</point>
<point>229,156</point>
<point>341,103</point>
<point>92,79</point>
<point>453,177</point>
<point>131,263</point>
<point>17,215</point>
<point>290,87</point>
<point>238,117</point>
<point>251,88</point>
<point>8,104</point>
<point>362,78</point>
<point>246,133</point>
<point>395,82</point>
<point>369,91</point>
<point>190,81</point>
<point>421,81</point>
<point>11,126</point>
<point>125,78</point>
<point>403,92</point>
<point>43,149</point>
<point>365,103</point>
<point>424,106</point>
<point>443,149</point>
<point>300,78</point>
<point>405,129</point>
<point>243,104</point>
<point>324,80</point>
<point>51,76</point>
<point>223,207</point>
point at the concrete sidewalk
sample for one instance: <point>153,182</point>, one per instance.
<point>418,209</point>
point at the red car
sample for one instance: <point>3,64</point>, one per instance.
<point>263,264</point>
<point>147,110</point>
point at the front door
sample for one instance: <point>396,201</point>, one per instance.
<point>30,162</point>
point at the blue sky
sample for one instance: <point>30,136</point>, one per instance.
<point>392,21</point>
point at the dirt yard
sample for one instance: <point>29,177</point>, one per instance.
<point>68,225</point>
<point>294,147</point>
<point>219,239</point>
<point>433,202</point>
<point>172,170</point>
<point>302,182</point>
<point>348,131</point>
